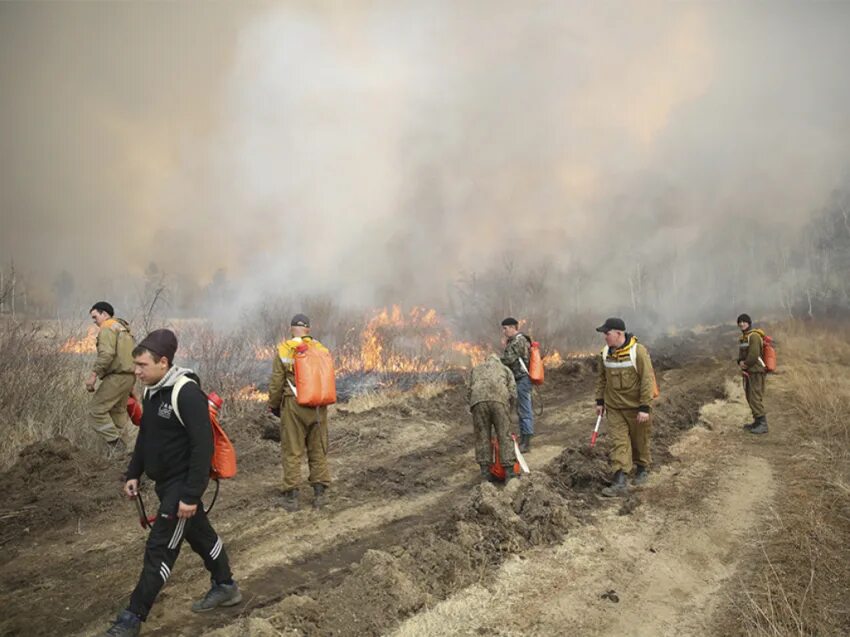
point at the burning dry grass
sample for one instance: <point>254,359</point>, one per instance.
<point>394,397</point>
<point>800,587</point>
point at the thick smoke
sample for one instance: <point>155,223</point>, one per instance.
<point>381,152</point>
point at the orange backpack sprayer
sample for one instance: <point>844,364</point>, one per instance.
<point>223,461</point>
<point>535,364</point>
<point>315,382</point>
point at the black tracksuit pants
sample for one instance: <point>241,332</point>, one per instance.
<point>163,547</point>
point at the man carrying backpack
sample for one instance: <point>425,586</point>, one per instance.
<point>114,368</point>
<point>301,428</point>
<point>516,357</point>
<point>174,449</point>
<point>751,362</point>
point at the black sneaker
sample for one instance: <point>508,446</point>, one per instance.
<point>318,496</point>
<point>641,475</point>
<point>218,595</point>
<point>127,624</point>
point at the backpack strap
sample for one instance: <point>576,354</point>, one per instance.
<point>175,391</point>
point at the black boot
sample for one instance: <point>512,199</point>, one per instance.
<point>619,486</point>
<point>318,496</point>
<point>289,501</point>
<point>750,425</point>
<point>525,442</point>
<point>641,475</point>
<point>760,426</point>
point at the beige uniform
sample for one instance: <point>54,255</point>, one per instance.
<point>626,386</point>
<point>114,368</point>
<point>750,352</point>
<point>302,429</point>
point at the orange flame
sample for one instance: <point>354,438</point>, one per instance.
<point>85,345</point>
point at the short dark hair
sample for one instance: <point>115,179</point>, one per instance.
<point>103,306</point>
<point>510,321</point>
<point>744,318</point>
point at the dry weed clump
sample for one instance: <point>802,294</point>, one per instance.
<point>800,587</point>
<point>41,390</point>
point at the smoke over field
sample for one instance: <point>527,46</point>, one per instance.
<point>668,161</point>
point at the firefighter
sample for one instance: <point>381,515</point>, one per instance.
<point>516,357</point>
<point>751,362</point>
<point>491,388</point>
<point>624,392</point>
<point>107,410</point>
<point>302,429</point>
<point>174,449</point>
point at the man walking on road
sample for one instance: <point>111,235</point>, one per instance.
<point>174,449</point>
<point>751,362</point>
<point>625,390</point>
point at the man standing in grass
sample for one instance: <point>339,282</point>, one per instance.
<point>751,362</point>
<point>114,367</point>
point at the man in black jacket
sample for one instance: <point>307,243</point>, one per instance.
<point>174,449</point>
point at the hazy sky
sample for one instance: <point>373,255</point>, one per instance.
<point>382,149</point>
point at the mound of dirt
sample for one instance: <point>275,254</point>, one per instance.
<point>53,482</point>
<point>427,566</point>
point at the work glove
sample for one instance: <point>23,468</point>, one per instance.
<point>275,411</point>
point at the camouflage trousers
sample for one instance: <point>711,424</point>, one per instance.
<point>303,430</point>
<point>490,419</point>
<point>754,391</point>
<point>629,439</point>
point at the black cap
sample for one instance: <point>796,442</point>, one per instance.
<point>612,324</point>
<point>162,343</point>
<point>510,321</point>
<point>300,320</point>
<point>745,318</point>
<point>103,306</point>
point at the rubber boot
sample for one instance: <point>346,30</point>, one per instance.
<point>619,486</point>
<point>485,473</point>
<point>641,475</point>
<point>318,496</point>
<point>289,501</point>
<point>761,426</point>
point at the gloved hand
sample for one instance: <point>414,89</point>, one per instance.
<point>275,411</point>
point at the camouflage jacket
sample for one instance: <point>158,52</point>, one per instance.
<point>491,381</point>
<point>115,346</point>
<point>517,354</point>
